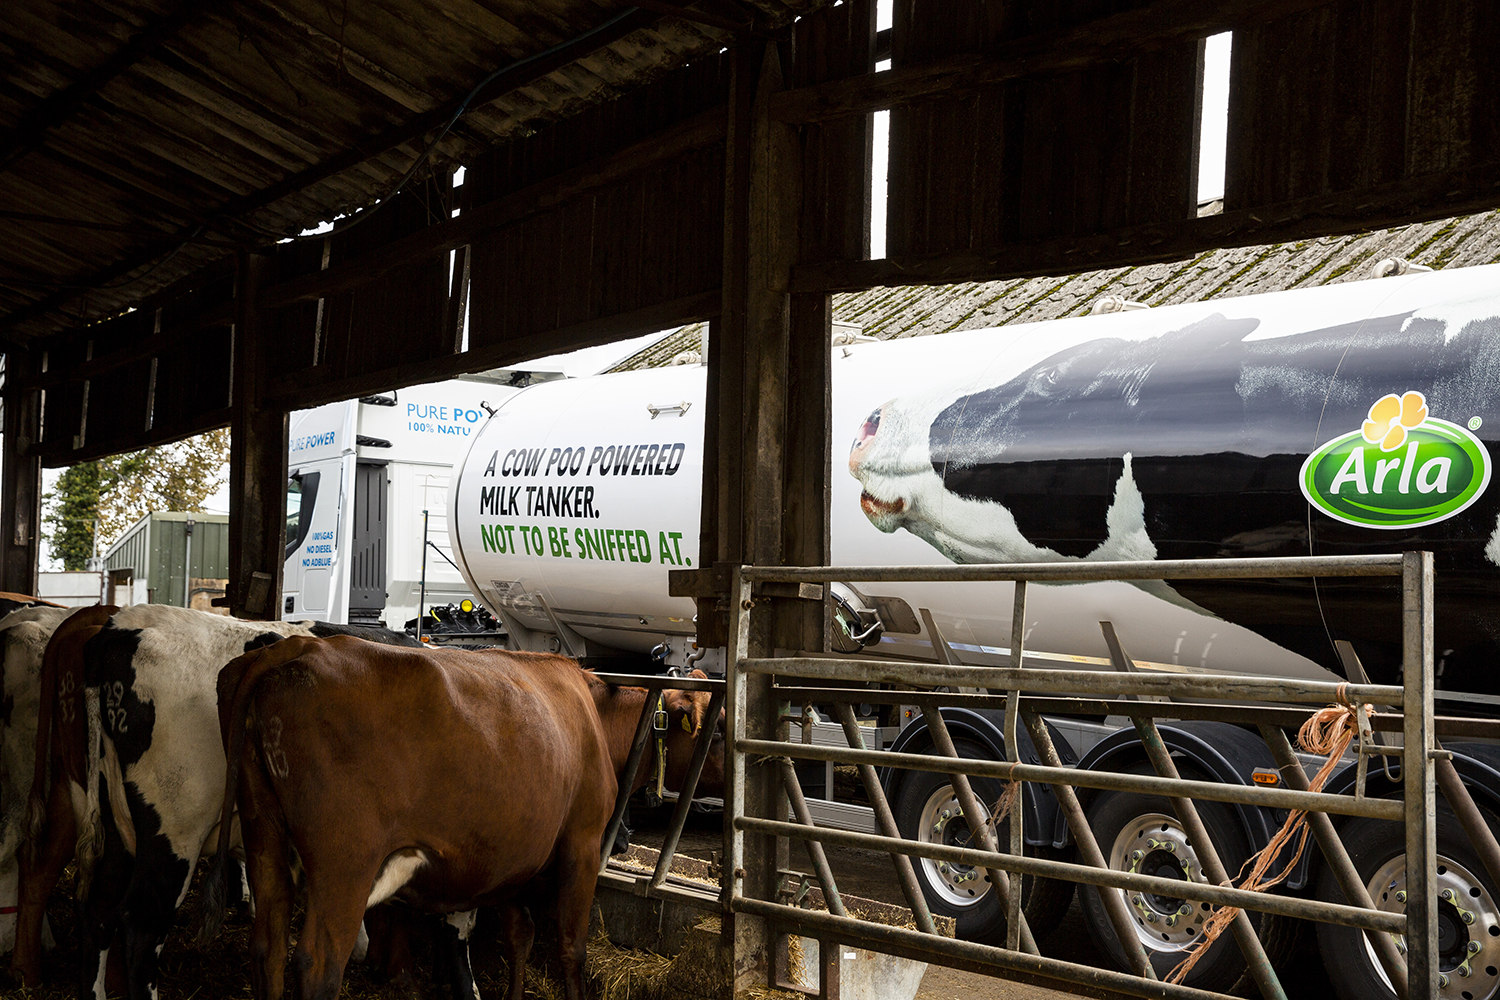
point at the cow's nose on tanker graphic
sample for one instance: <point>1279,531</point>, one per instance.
<point>883,512</point>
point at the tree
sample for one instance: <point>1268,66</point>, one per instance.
<point>73,506</point>
<point>116,492</point>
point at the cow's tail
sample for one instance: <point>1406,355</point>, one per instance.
<point>237,683</point>
<point>90,827</point>
<point>41,778</point>
<point>66,640</point>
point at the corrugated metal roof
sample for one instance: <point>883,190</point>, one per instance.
<point>140,142</point>
<point>918,311</point>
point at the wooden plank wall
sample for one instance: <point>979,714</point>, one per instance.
<point>399,317</point>
<point>835,43</point>
<point>173,380</point>
<point>653,236</point>
<point>1075,153</point>
<point>1359,94</point>
<point>191,393</point>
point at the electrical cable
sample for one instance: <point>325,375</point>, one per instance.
<point>463,106</point>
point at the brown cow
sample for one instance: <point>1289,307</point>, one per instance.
<point>619,710</point>
<point>444,778</point>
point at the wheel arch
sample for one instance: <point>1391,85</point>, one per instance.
<point>987,729</point>
<point>1478,764</point>
<point>1224,752</point>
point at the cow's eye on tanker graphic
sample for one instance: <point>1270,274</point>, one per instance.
<point>1219,439</point>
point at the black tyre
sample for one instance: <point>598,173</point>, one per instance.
<point>1468,911</point>
<point>1141,834</point>
<point>927,811</point>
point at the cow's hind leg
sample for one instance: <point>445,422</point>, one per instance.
<point>268,867</point>
<point>39,875</point>
<point>450,957</point>
<point>577,871</point>
<point>517,932</point>
<point>389,928</point>
<point>335,909</point>
<point>157,885</point>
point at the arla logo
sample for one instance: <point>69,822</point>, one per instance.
<point>1402,469</point>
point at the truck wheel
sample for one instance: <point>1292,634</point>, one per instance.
<point>928,812</point>
<point>1468,911</point>
<point>1141,834</point>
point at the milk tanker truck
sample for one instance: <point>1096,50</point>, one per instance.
<point>1361,417</point>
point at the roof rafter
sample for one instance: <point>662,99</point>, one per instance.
<point>514,77</point>
<point>56,109</point>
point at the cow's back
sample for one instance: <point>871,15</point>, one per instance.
<point>481,760</point>
<point>152,665</point>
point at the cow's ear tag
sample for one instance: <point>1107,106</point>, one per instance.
<point>687,726</point>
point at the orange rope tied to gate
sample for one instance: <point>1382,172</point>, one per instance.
<point>1006,800</point>
<point>1329,731</point>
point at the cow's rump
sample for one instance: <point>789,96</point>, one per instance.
<point>445,778</point>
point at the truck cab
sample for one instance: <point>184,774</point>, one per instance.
<point>367,500</point>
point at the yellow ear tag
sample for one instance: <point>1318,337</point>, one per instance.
<point>687,727</point>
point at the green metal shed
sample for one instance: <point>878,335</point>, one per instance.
<point>159,547</point>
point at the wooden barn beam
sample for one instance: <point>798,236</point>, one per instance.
<point>1418,199</point>
<point>687,13</point>
<point>1161,25</point>
<point>313,386</point>
<point>21,487</point>
<point>745,497</point>
<point>32,129</point>
<point>257,460</point>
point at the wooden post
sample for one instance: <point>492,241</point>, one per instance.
<point>751,398</point>
<point>803,624</point>
<point>21,506</point>
<point>257,461</point>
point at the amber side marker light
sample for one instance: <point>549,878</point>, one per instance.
<point>1265,776</point>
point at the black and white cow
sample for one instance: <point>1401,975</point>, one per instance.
<point>156,761</point>
<point>1189,444</point>
<point>23,639</point>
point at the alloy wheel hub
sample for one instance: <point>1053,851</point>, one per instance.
<point>1155,844</point>
<point>1468,920</point>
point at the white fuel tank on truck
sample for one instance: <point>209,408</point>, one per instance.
<point>573,520</point>
<point>1351,418</point>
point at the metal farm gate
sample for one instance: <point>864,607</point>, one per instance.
<point>760,771</point>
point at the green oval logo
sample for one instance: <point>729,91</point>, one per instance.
<point>1403,469</point>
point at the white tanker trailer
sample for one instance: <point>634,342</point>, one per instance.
<point>1353,418</point>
